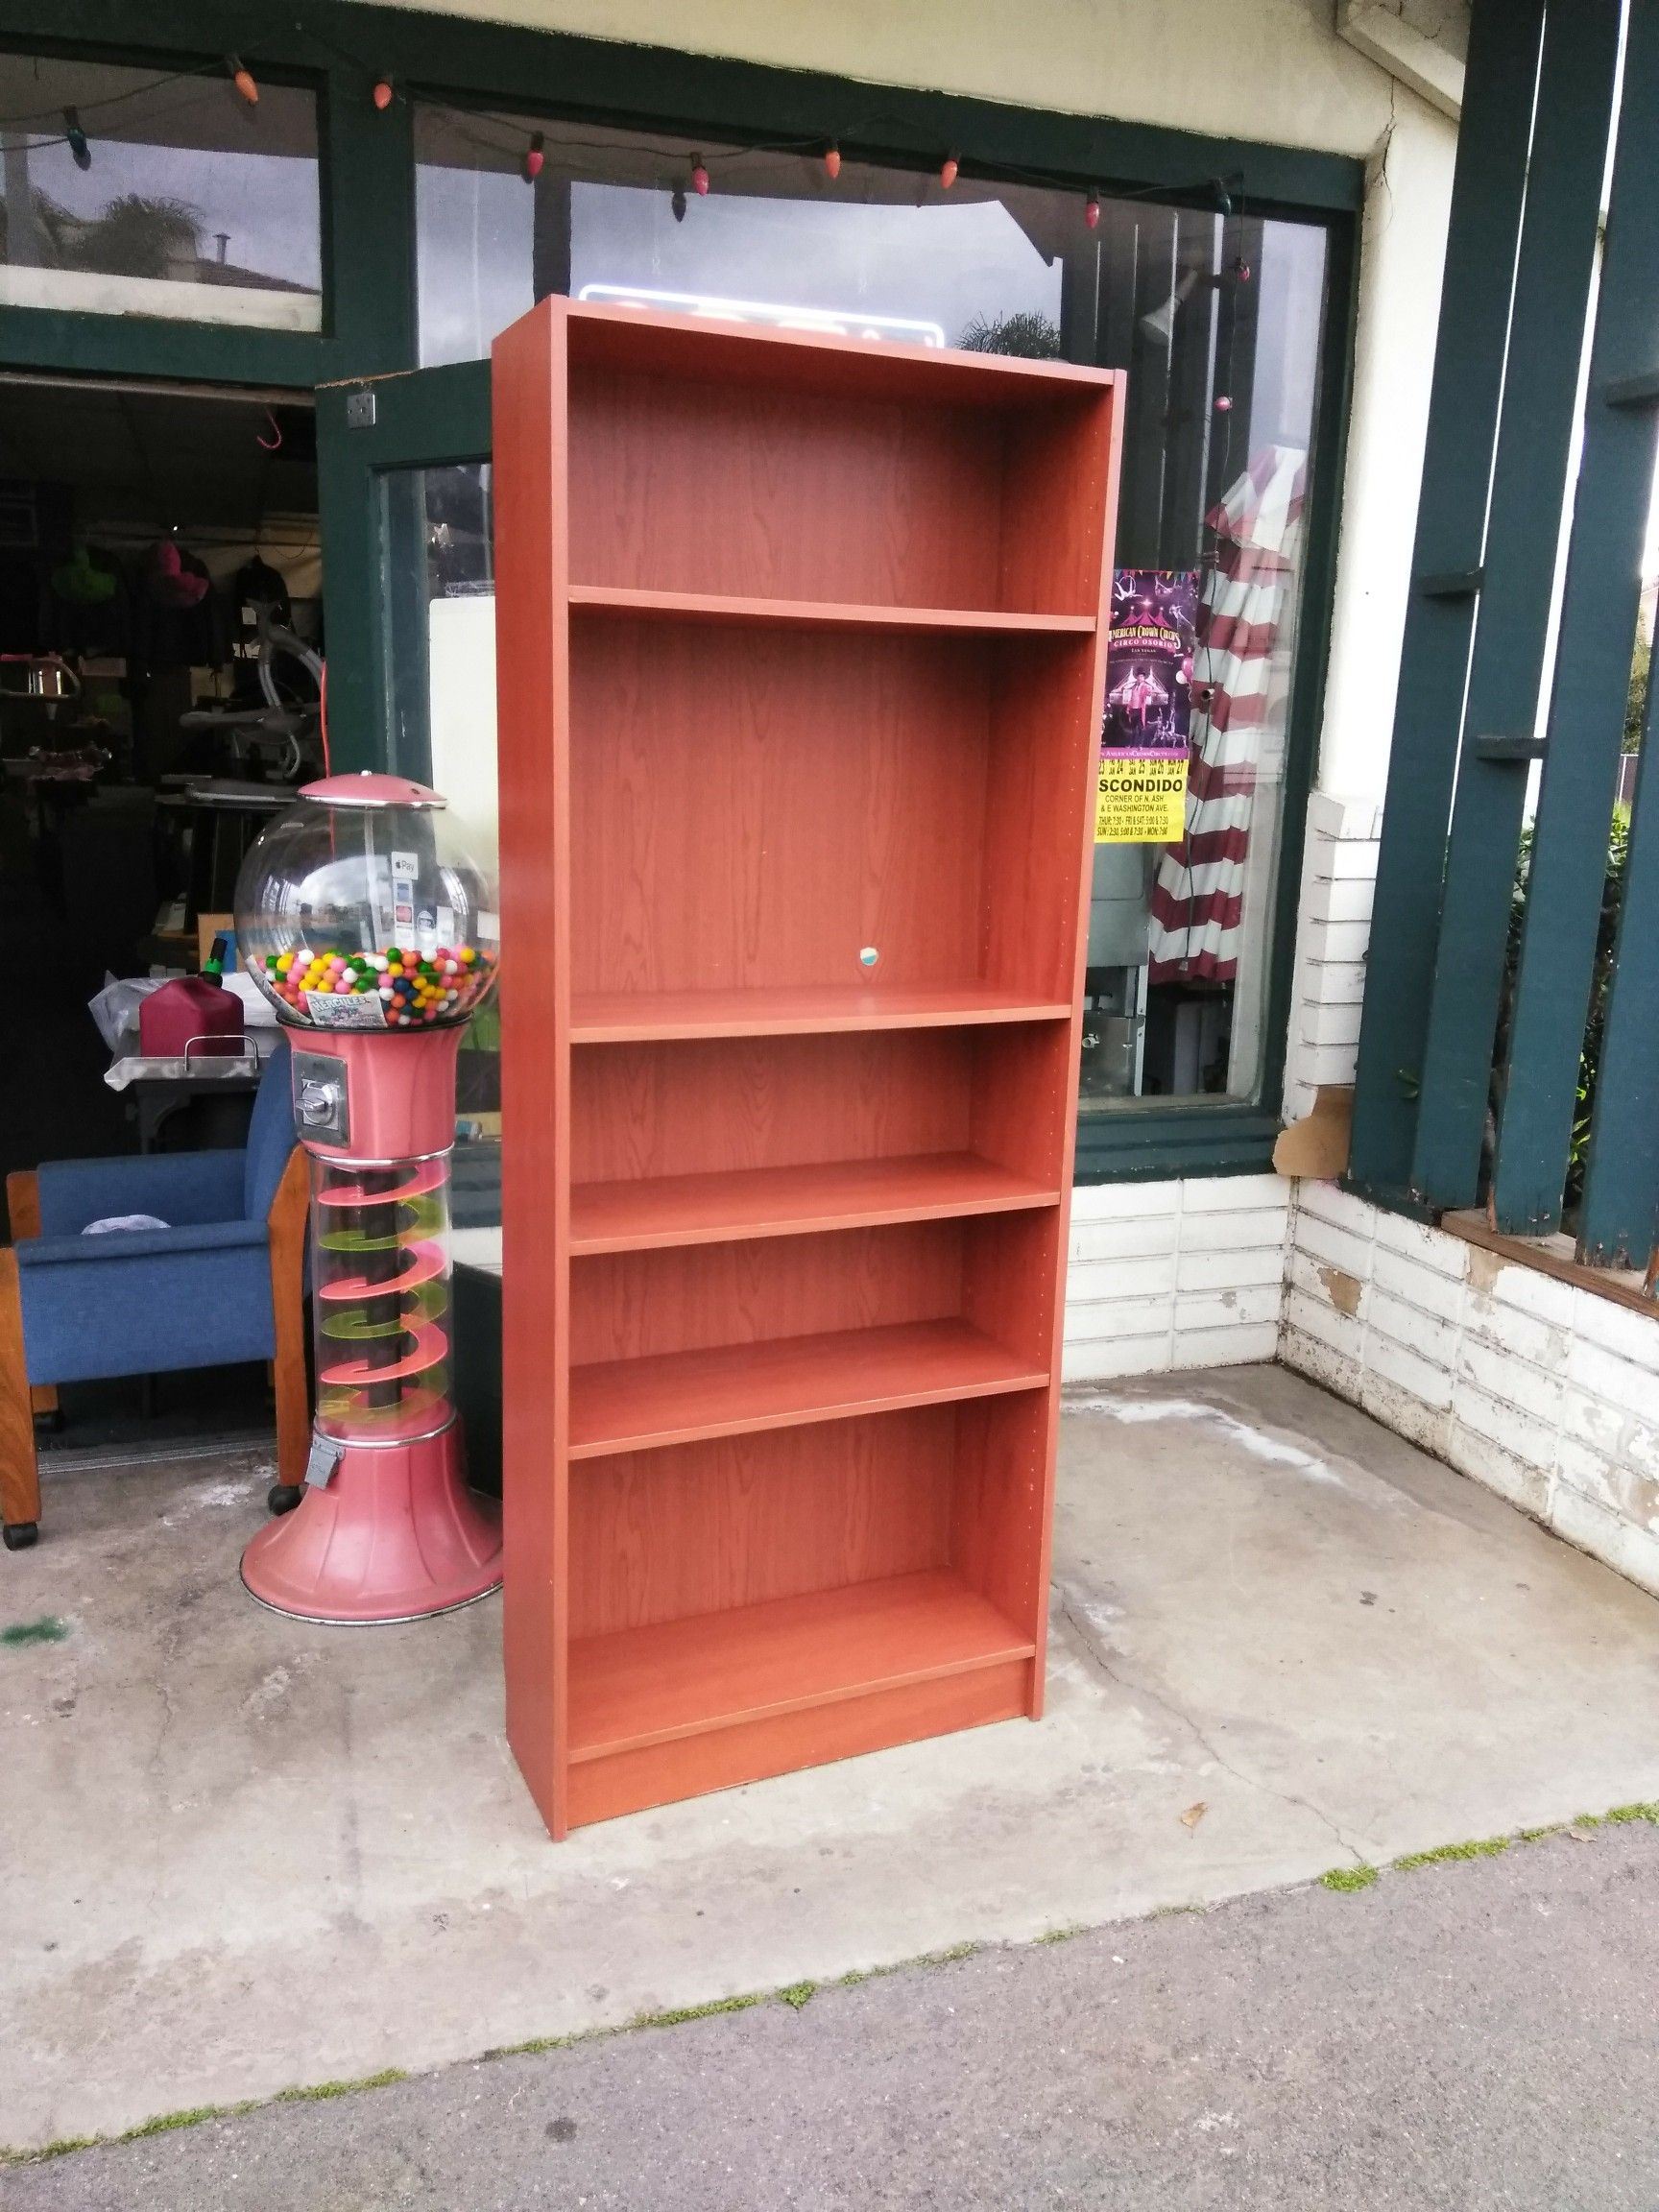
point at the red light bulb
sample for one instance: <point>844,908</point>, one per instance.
<point>531,166</point>
<point>243,80</point>
<point>699,176</point>
<point>382,95</point>
<point>948,168</point>
<point>1091,212</point>
<point>832,159</point>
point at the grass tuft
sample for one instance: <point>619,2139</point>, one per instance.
<point>320,2092</point>
<point>1648,1812</point>
<point>678,2017</point>
<point>1486,1847</point>
<point>164,2123</point>
<point>1346,1877</point>
<point>944,1957</point>
<point>799,1995</point>
<point>1062,1935</point>
<point>1537,1834</point>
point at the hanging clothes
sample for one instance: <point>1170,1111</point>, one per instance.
<point>178,619</point>
<point>257,589</point>
<point>87,608</point>
<point>1242,662</point>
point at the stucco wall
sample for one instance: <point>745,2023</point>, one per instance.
<point>1268,69</point>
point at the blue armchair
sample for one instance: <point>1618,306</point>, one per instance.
<point>223,1281</point>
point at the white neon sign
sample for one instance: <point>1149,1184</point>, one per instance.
<point>896,330</point>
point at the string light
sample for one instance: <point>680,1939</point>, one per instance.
<point>243,80</point>
<point>699,176</point>
<point>535,153</point>
<point>382,94</point>
<point>947,171</point>
<point>1091,211</point>
<point>79,149</point>
<point>832,160</point>
<point>677,201</point>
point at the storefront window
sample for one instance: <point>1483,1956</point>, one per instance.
<point>1215,313</point>
<point>124,192</point>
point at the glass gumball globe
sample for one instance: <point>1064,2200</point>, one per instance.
<point>358,909</point>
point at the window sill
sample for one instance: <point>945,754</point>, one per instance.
<point>1554,1256</point>
<point>1163,1143</point>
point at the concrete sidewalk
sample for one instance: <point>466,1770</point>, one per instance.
<point>242,1854</point>
<point>1477,2037</point>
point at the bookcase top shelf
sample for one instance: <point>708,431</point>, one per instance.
<point>639,340</point>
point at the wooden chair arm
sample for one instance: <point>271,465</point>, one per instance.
<point>23,1203</point>
<point>286,1223</point>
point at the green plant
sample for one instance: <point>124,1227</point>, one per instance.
<point>1030,336</point>
<point>1601,979</point>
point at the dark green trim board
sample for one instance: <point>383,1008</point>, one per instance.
<point>1552,277</point>
<point>1587,707</point>
<point>1487,201</point>
<point>518,70</point>
<point>367,187</point>
<point>371,435</point>
<point>1172,1141</point>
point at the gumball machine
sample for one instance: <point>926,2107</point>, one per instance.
<point>363,923</point>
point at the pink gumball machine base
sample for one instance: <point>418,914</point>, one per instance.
<point>395,1535</point>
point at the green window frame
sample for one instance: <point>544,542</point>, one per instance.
<point>369,311</point>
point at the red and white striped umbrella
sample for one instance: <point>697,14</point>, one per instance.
<point>1197,893</point>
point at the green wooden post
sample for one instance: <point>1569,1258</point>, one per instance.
<point>1486,201</point>
<point>1557,257</point>
<point>367,182</point>
<point>1619,1221</point>
<point>370,435</point>
<point>1592,675</point>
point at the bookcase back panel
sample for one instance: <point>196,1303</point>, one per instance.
<point>704,1528</point>
<point>691,487</point>
<point>702,1108</point>
<point>753,810</point>
<point>636,1305</point>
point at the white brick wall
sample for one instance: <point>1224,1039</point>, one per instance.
<point>1546,1393</point>
<point>1334,928</point>
<point>1179,1274</point>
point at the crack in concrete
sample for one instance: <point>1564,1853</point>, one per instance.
<point>1095,1654</point>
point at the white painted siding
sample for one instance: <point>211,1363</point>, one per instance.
<point>1545,1392</point>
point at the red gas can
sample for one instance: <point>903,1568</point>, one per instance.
<point>189,1007</point>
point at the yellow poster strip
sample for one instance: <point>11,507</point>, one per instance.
<point>1141,802</point>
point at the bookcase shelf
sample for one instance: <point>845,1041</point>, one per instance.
<point>635,1214</point>
<point>801,661</point>
<point>733,1389</point>
<point>623,1017</point>
<point>637,1688</point>
<point>820,615</point>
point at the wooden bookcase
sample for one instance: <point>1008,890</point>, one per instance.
<point>801,649</point>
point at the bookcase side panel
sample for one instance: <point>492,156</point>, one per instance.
<point>528,399</point>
